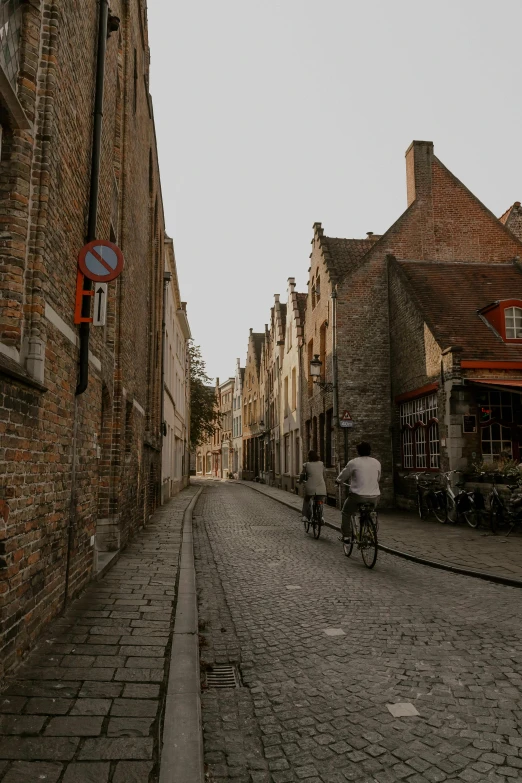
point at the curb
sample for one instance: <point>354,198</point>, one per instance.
<point>495,578</point>
<point>181,759</point>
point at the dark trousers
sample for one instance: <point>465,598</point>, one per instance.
<point>351,504</point>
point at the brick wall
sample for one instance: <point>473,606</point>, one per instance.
<point>68,472</point>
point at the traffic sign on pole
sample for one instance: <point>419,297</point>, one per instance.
<point>101,261</point>
<point>346,420</point>
<point>100,304</point>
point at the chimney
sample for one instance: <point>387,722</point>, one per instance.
<point>291,284</point>
<point>419,161</point>
<point>276,298</point>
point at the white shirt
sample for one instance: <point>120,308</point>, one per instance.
<point>362,474</point>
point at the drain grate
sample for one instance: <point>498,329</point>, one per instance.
<point>223,675</point>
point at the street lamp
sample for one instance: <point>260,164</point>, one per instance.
<point>315,374</point>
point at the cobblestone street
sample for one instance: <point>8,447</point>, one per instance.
<point>456,545</point>
<point>324,645</point>
<point>88,704</point>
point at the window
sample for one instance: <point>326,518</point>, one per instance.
<point>200,464</point>
<point>498,412</point>
<point>287,453</point>
<point>313,293</point>
<point>209,463</point>
<point>10,25</point>
<point>318,288</point>
<point>420,433</point>
<point>297,452</point>
<point>294,389</point>
<point>310,357</point>
<point>513,316</point>
<point>322,349</point>
<point>286,396</point>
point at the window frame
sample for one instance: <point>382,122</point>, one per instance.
<point>419,428</point>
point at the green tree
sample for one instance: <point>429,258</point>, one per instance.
<point>204,418</point>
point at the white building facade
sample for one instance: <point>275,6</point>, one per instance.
<point>290,459</point>
<point>176,386</point>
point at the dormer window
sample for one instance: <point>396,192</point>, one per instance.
<point>513,323</point>
<point>505,317</point>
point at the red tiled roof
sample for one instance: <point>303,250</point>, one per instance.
<point>449,296</point>
<point>346,253</point>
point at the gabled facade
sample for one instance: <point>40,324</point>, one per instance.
<point>385,349</point>
<point>253,407</point>
<point>237,422</point>
<point>226,398</point>
<point>290,399</point>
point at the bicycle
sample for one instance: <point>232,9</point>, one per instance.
<point>502,513</point>
<point>425,495</point>
<point>364,525</point>
<point>470,504</point>
<point>444,506</point>
<point>316,520</point>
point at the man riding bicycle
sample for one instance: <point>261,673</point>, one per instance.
<point>362,475</point>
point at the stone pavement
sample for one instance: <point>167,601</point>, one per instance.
<point>457,545</point>
<point>87,706</point>
<point>323,645</point>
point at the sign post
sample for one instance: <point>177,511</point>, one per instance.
<point>346,423</point>
<point>100,261</point>
<point>100,304</point>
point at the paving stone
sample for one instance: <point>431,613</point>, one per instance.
<point>139,691</point>
<point>138,708</point>
<point>21,724</point>
<point>129,727</point>
<point>91,707</point>
<point>132,772</point>
<point>139,675</point>
<point>87,772</point>
<point>32,772</point>
<point>46,706</point>
<point>85,726</point>
<point>116,748</point>
<point>12,704</point>
<point>43,748</point>
<point>109,690</point>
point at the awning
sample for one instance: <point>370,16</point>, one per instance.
<point>496,383</point>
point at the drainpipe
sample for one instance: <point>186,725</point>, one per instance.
<point>103,19</point>
<point>166,280</point>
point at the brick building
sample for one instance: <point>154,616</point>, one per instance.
<point>412,327</point>
<point>253,408</point>
<point>79,473</point>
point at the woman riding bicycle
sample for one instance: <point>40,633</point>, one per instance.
<point>362,474</point>
<point>312,476</point>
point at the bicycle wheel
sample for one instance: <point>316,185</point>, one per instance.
<point>438,506</point>
<point>496,516</point>
<point>368,543</point>
<point>473,517</point>
<point>317,521</point>
<point>419,506</point>
<point>451,510</point>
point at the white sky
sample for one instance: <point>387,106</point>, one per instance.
<point>274,114</point>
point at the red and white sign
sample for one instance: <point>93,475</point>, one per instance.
<point>346,420</point>
<point>101,261</point>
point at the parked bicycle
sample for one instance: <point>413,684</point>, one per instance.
<point>505,512</point>
<point>425,495</point>
<point>471,505</point>
<point>315,520</point>
<point>364,525</point>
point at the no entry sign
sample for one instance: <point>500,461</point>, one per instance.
<point>101,261</point>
